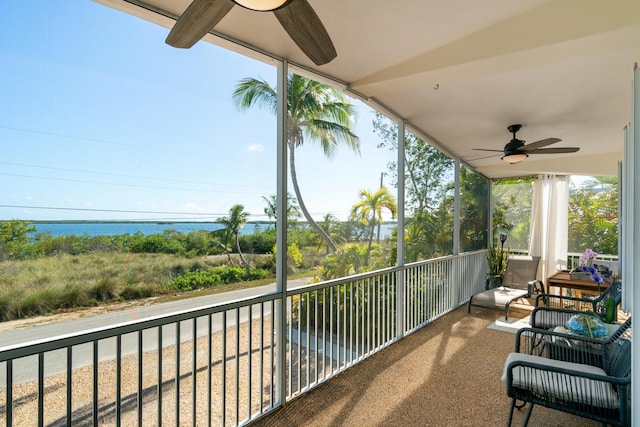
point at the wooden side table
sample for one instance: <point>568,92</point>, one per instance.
<point>562,280</point>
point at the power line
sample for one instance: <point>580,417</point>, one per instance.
<point>122,175</point>
<point>59,208</point>
<point>127,185</point>
<point>101,141</point>
<point>124,144</point>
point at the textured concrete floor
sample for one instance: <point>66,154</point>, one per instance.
<point>446,374</point>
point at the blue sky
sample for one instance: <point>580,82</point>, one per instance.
<point>102,120</point>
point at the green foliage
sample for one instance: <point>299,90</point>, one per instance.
<point>293,210</point>
<point>15,239</point>
<point>132,292</point>
<point>294,256</point>
<point>358,306</point>
<point>429,192</point>
<point>593,217</point>
<point>368,211</point>
<point>216,276</point>
<point>41,286</point>
<point>352,259</point>
<point>165,243</point>
<point>106,289</point>
<point>512,210</point>
<point>258,243</point>
<point>474,211</point>
<point>497,259</point>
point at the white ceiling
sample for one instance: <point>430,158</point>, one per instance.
<point>561,68</point>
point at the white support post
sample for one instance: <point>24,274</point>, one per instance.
<point>400,307</point>
<point>455,267</point>
<point>634,280</point>
<point>281,233</point>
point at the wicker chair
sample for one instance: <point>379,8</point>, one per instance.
<point>572,373</point>
<point>519,282</point>
<point>553,310</point>
<point>569,347</point>
<point>584,303</point>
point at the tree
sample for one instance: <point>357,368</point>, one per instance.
<point>512,210</point>
<point>316,113</point>
<point>15,239</point>
<point>233,223</point>
<point>293,210</point>
<point>332,226</point>
<point>369,211</point>
<point>428,192</point>
<point>593,216</point>
<point>474,210</point>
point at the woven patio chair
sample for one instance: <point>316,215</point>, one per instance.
<point>579,375</point>
<point>519,281</point>
<point>561,344</point>
<point>553,310</point>
<point>563,301</point>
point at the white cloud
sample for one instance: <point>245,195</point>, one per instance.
<point>255,147</point>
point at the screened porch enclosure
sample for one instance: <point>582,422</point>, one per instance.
<point>241,361</point>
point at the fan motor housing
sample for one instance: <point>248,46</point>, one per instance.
<point>513,146</point>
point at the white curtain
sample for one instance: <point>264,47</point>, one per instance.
<point>550,223</point>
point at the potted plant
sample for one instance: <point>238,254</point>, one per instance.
<point>497,258</point>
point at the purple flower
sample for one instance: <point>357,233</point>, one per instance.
<point>587,267</point>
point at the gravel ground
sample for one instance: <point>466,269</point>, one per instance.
<point>25,395</point>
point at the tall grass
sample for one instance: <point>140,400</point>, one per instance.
<point>48,284</point>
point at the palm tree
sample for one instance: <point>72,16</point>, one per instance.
<point>316,112</point>
<point>333,228</point>
<point>369,211</point>
<point>293,211</point>
<point>233,223</point>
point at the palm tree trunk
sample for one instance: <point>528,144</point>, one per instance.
<point>294,179</point>
<point>371,233</point>
<point>244,261</point>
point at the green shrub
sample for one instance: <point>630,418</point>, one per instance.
<point>105,289</point>
<point>216,276</point>
<point>70,296</point>
<point>131,292</point>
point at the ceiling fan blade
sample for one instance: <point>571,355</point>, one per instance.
<point>196,21</point>
<point>540,144</point>
<point>305,28</point>
<point>559,150</point>
<point>484,157</point>
<point>486,149</point>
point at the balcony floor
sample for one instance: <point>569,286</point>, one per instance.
<point>445,374</point>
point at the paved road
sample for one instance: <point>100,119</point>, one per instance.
<point>25,369</point>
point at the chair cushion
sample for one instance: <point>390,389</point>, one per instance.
<point>562,386</point>
<point>499,296</point>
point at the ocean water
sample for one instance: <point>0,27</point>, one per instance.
<point>113,228</point>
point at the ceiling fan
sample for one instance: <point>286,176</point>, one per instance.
<point>296,16</point>
<point>516,151</point>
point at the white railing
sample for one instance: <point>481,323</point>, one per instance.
<point>573,258</point>
<point>217,365</point>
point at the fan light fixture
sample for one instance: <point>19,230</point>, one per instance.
<point>515,157</point>
<point>261,5</point>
